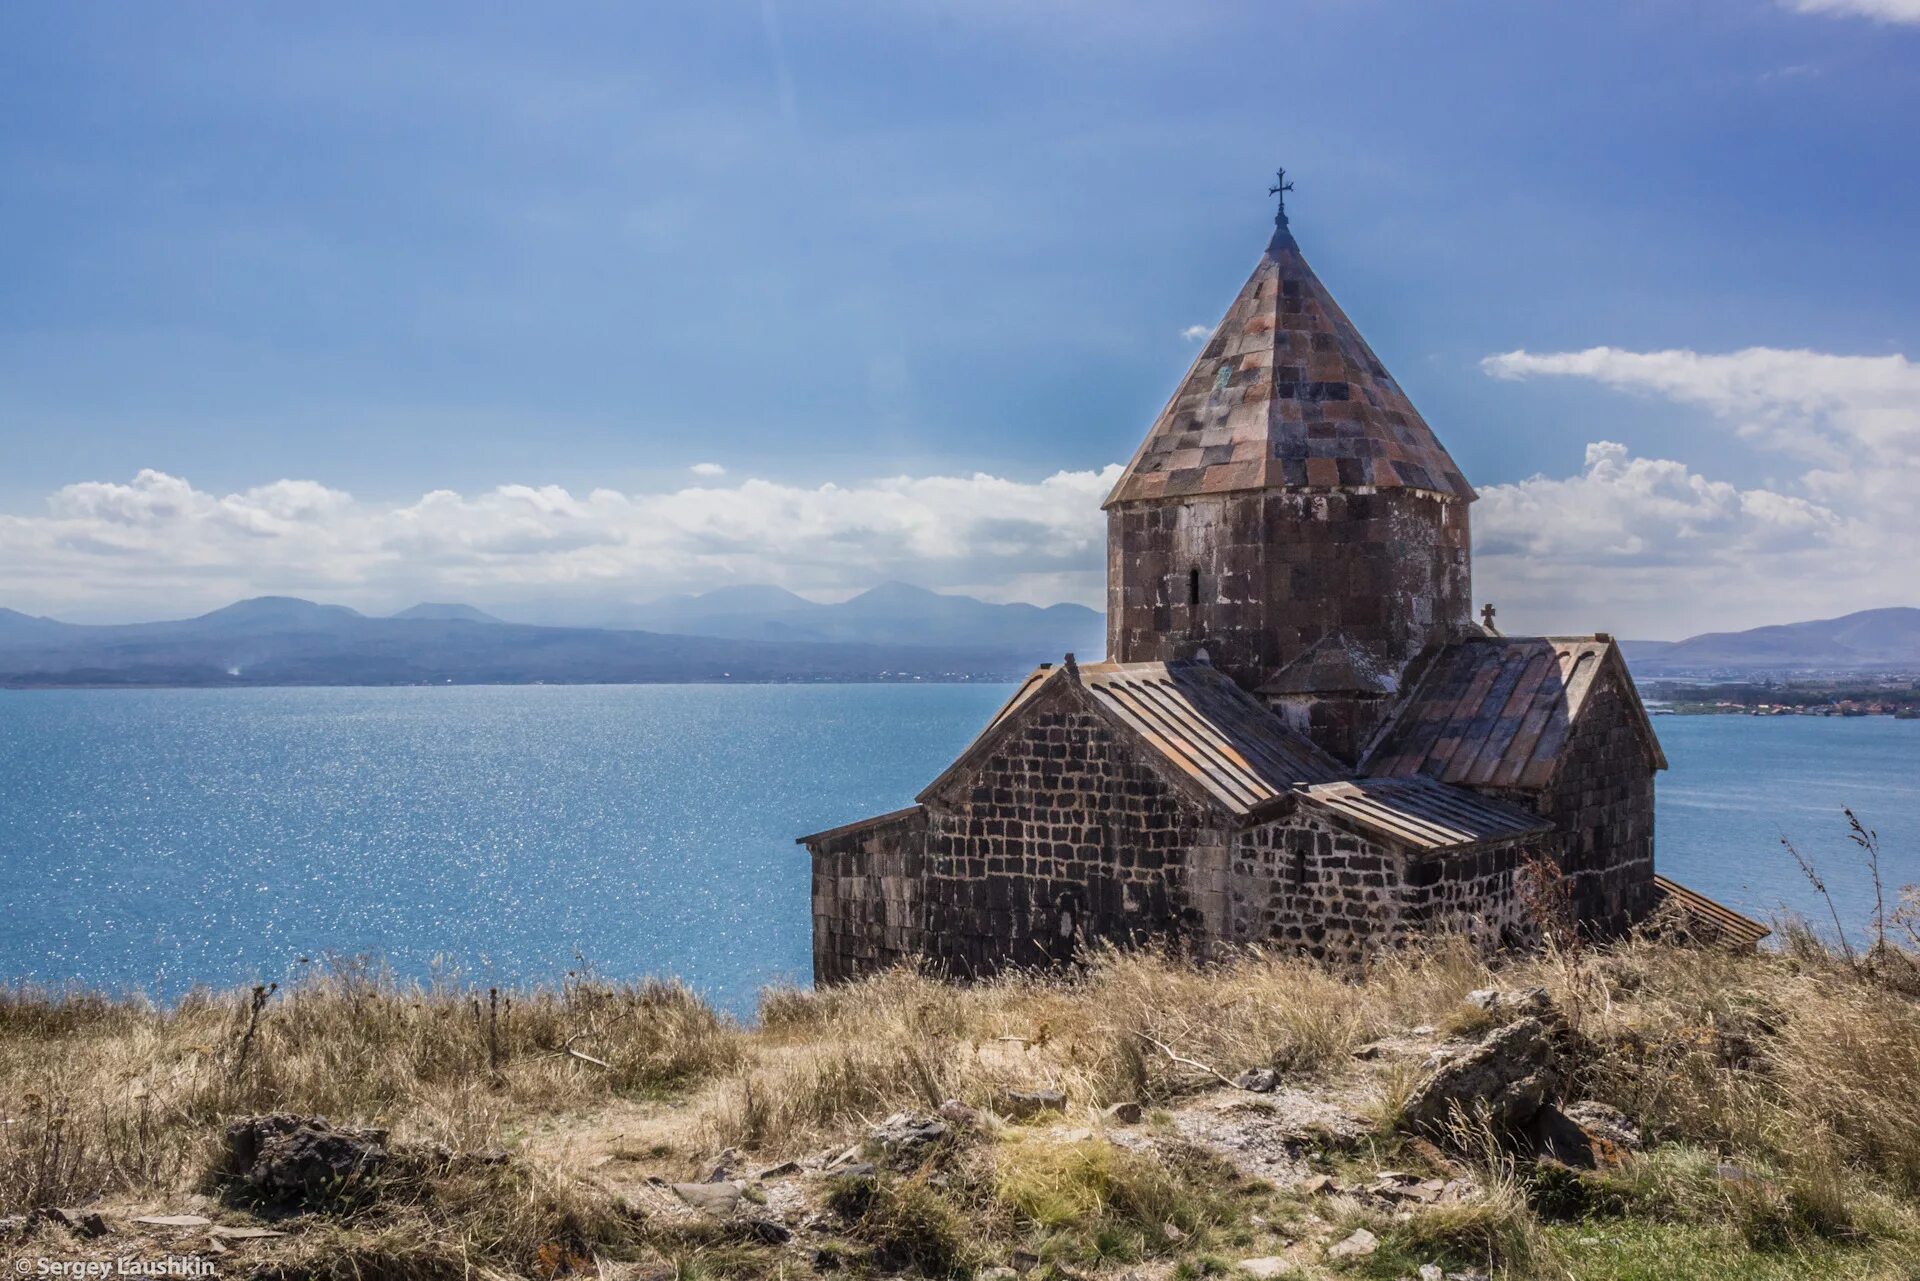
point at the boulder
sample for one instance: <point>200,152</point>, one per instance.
<point>717,1199</point>
<point>1604,1122</point>
<point>82,1223</point>
<point>905,1137</point>
<point>1270,1265</point>
<point>1584,1135</point>
<point>954,1112</point>
<point>1358,1246</point>
<point>302,1160</point>
<point>1258,1080</point>
<point>1509,1074</point>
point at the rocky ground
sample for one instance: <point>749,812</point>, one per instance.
<point>1481,1133</point>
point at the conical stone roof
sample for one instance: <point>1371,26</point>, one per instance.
<point>1287,394</point>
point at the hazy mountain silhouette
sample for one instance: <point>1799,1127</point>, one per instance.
<point>733,634</point>
<point>1867,639</point>
<point>280,640</point>
<point>441,612</point>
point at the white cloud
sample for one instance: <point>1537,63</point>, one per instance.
<point>1881,10</point>
<point>1194,333</point>
<point>707,469</point>
<point>156,546</point>
<point>1632,543</point>
<point>1654,546</point>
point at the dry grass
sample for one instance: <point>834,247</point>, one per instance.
<point>1798,1067</point>
<point>121,1096</point>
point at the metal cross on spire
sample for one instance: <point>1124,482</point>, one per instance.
<point>1280,188</point>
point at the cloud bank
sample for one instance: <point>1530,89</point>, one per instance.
<point>1635,544</point>
<point>1630,541</point>
<point>156,546</point>
<point>1882,10</point>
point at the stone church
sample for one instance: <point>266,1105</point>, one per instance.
<point>1300,737</point>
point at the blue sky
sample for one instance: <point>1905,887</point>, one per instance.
<point>379,302</point>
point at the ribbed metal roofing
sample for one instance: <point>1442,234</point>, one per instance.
<point>911,814</point>
<point>1207,726</point>
<point>1286,393</point>
<point>1422,814</point>
<point>1196,719</point>
<point>1714,921</point>
<point>1496,712</point>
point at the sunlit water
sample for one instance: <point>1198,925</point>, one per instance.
<point>156,839</point>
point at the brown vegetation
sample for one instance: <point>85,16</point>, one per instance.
<point>1778,1092</point>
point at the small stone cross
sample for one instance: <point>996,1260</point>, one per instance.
<point>1486,618</point>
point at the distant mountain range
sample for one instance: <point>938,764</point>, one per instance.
<point>746,634</point>
<point>1872,638</point>
<point>741,634</point>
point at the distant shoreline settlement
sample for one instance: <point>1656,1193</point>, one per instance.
<point>1895,696</point>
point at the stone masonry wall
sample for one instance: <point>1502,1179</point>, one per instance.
<point>868,900</point>
<point>1063,837</point>
<point>1304,883</point>
<point>1278,569</point>
<point>1602,801</point>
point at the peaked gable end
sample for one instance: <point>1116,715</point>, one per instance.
<point>1500,712</point>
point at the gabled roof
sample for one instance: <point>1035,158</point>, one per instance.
<point>1497,711</point>
<point>1331,665</point>
<point>1424,815</point>
<point>1211,733</point>
<point>911,814</point>
<point>1711,922</point>
<point>1286,393</point>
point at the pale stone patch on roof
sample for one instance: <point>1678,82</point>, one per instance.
<point>1332,665</point>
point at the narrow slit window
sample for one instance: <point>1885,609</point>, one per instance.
<point>1193,587</point>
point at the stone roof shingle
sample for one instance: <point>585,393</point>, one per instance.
<point>1286,393</point>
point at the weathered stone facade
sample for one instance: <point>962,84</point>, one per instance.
<point>1256,578</point>
<point>1060,838</point>
<point>869,900</point>
<point>1065,835</point>
<point>1308,884</point>
<point>1300,739</point>
<point>1601,803</point>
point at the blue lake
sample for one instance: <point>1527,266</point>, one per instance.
<point>156,839</point>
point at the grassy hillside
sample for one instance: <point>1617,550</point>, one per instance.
<point>542,1135</point>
